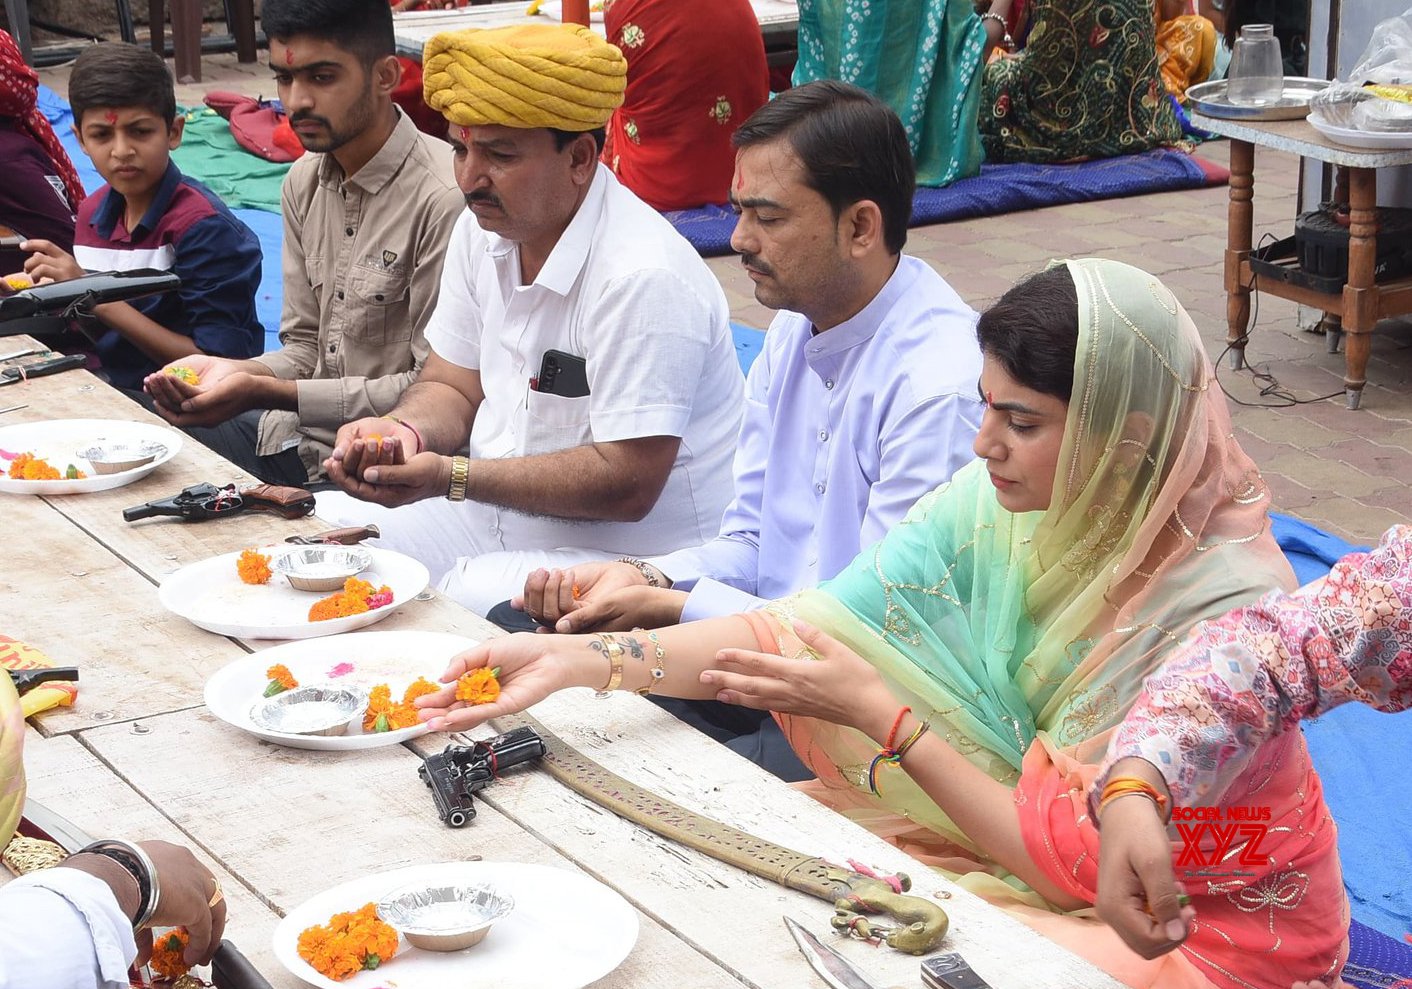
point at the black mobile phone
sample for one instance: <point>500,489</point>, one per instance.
<point>950,971</point>
<point>563,374</point>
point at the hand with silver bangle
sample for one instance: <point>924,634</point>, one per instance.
<point>174,890</point>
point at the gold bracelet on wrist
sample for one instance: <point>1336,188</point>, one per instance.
<point>613,650</point>
<point>460,474</point>
<point>659,668</point>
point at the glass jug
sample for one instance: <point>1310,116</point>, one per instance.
<point>1257,67</point>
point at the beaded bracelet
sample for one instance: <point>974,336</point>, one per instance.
<point>136,862</point>
<point>1127,786</point>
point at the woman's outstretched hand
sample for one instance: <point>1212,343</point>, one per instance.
<point>1138,895</point>
<point>531,668</point>
<point>840,686</point>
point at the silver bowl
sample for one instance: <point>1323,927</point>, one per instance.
<point>444,918</point>
<point>114,458</point>
<point>321,568</point>
<point>311,710</point>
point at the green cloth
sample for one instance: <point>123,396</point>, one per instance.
<point>209,154</point>
<point>921,57</point>
<point>1087,85</point>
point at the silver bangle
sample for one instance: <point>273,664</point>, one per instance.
<point>132,858</point>
<point>1005,40</point>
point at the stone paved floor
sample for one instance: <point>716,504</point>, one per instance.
<point>1343,471</point>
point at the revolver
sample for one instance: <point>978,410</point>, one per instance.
<point>206,501</point>
<point>461,770</point>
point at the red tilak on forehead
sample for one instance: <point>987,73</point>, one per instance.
<point>990,398</point>
<point>465,135</point>
<point>111,116</point>
<point>289,56</point>
<point>739,181</point>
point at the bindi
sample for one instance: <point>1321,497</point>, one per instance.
<point>111,116</point>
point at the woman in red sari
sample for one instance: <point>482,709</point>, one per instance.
<point>693,77</point>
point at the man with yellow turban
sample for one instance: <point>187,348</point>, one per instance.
<point>579,345</point>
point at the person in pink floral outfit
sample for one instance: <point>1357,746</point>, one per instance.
<point>1217,708</point>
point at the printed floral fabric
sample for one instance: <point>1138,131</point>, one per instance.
<point>1243,679</point>
<point>1186,52</point>
<point>692,80</point>
<point>1086,85</point>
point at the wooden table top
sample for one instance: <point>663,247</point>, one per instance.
<point>139,756</point>
<point>1299,137</point>
<point>778,19</point>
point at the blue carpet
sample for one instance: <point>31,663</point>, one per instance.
<point>1002,189</point>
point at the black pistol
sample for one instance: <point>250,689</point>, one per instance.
<point>206,501</point>
<point>27,680</point>
<point>461,770</point>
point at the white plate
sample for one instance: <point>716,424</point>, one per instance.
<point>363,660</point>
<point>1365,139</point>
<point>59,442</point>
<point>566,931</point>
<point>211,595</point>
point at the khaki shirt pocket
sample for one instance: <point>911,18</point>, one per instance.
<point>377,306</point>
<point>553,422</point>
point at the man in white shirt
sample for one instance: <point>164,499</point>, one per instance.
<point>863,399</point>
<point>579,343</point>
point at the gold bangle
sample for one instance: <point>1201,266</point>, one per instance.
<point>659,669</point>
<point>612,649</point>
<point>460,474</point>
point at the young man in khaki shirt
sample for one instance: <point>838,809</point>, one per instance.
<point>367,216</point>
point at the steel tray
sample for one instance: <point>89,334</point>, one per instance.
<point>1210,99</point>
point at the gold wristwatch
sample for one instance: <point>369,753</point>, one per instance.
<point>460,473</point>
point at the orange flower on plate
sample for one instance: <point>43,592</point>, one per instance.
<point>349,943</point>
<point>28,467</point>
<point>418,688</point>
<point>253,567</point>
<point>280,680</point>
<point>479,686</point>
<point>167,954</point>
<point>375,718</point>
<point>356,597</point>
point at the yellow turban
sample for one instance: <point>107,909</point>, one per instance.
<point>535,75</point>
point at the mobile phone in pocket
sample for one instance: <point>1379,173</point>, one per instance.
<point>950,971</point>
<point>562,374</point>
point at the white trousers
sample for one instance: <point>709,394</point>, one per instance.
<point>436,533</point>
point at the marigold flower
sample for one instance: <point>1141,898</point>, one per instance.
<point>356,597</point>
<point>479,686</point>
<point>280,680</point>
<point>253,567</point>
<point>348,944</point>
<point>28,467</point>
<point>375,718</point>
<point>167,954</point>
<point>417,688</point>
<point>184,373</point>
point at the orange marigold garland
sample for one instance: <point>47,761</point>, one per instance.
<point>479,686</point>
<point>348,944</point>
<point>168,961</point>
<point>253,567</point>
<point>356,597</point>
<point>28,467</point>
<point>280,680</point>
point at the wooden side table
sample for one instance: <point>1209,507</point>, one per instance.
<point>1362,302</point>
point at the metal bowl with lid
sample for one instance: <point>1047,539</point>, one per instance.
<point>444,918</point>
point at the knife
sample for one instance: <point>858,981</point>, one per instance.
<point>229,969</point>
<point>40,368</point>
<point>832,967</point>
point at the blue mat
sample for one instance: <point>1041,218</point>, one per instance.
<point>267,226</point>
<point>1002,189</point>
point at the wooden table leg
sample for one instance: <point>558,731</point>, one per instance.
<point>1360,296</point>
<point>242,27</point>
<point>186,39</point>
<point>157,25</point>
<point>1239,223</point>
